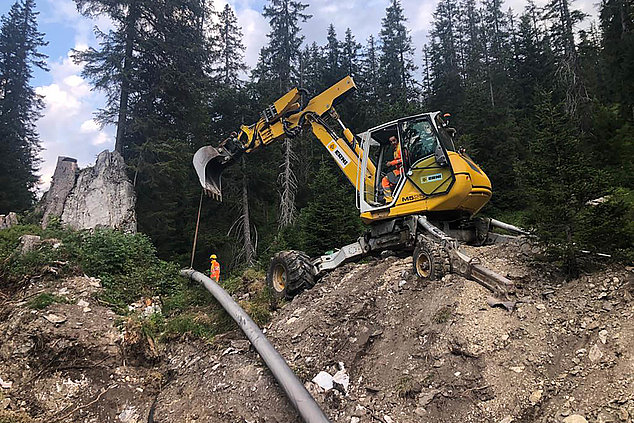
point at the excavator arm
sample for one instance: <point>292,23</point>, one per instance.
<point>285,118</point>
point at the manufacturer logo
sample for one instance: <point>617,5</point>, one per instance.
<point>431,178</point>
<point>340,156</point>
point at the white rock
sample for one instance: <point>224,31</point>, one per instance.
<point>342,380</point>
<point>517,369</point>
<point>388,419</point>
<point>55,319</point>
<point>29,243</point>
<point>575,418</point>
<point>535,396</point>
<point>507,419</point>
<point>82,303</point>
<point>8,221</point>
<point>354,419</point>
<point>5,385</point>
<point>129,415</point>
<point>324,380</point>
<point>595,353</point>
<point>603,336</point>
<point>100,196</point>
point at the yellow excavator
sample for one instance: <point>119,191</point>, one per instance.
<point>415,191</point>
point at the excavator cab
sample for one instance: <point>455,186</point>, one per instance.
<point>426,169</point>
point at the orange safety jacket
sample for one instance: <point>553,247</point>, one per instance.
<point>214,272</point>
<point>398,161</point>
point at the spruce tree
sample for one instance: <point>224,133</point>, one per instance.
<point>279,59</point>
<point>396,58</point>
<point>227,49</point>
<point>332,72</point>
<point>617,42</point>
<point>559,181</point>
<point>277,70</point>
<point>330,220</point>
<point>562,20</point>
<point>350,60</point>
<point>447,87</point>
<point>20,106</point>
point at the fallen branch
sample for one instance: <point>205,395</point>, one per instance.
<point>63,418</point>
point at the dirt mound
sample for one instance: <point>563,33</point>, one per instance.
<point>399,351</point>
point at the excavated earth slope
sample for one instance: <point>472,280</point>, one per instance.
<point>404,352</point>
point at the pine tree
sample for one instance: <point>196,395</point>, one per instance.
<point>112,67</point>
<point>227,48</point>
<point>19,105</point>
<point>396,59</point>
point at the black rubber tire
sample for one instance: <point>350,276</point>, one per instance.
<point>430,260</point>
<point>289,274</point>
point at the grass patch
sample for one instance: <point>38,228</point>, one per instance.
<point>44,300</point>
<point>443,315</point>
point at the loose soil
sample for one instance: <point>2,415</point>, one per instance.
<point>413,352</point>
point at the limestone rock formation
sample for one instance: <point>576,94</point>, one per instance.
<point>63,182</point>
<point>9,220</point>
<point>98,196</point>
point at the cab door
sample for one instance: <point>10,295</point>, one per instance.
<point>376,171</point>
<point>427,161</point>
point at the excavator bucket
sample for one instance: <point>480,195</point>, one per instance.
<point>209,163</point>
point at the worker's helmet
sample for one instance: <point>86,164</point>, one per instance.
<point>213,256</point>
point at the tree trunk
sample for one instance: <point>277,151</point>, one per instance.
<point>125,83</point>
<point>289,187</point>
<point>249,250</point>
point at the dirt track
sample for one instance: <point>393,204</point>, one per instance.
<point>412,353</point>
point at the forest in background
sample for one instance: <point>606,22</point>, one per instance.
<point>546,109</point>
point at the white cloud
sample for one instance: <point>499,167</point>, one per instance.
<point>254,30</point>
<point>67,127</point>
<point>89,126</point>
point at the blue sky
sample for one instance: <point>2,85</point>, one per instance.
<point>67,127</point>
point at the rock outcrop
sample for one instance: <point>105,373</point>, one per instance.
<point>98,196</point>
<point>63,182</point>
<point>9,220</point>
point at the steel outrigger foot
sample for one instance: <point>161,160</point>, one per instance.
<point>470,267</point>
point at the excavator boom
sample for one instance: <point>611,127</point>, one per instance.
<point>284,118</point>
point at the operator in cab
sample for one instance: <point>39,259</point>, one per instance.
<point>390,180</point>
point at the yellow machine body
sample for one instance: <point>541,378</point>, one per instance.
<point>432,179</point>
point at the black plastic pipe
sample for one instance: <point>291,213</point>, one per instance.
<point>301,399</point>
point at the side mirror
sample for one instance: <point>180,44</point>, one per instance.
<point>451,132</point>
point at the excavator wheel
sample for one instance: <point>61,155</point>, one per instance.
<point>430,259</point>
<point>289,274</point>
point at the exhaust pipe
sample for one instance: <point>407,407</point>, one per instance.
<point>507,226</point>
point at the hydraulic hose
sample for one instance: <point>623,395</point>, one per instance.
<point>301,399</point>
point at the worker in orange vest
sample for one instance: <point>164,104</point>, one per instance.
<point>214,272</point>
<point>389,181</point>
